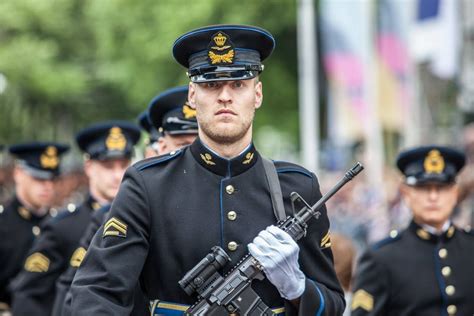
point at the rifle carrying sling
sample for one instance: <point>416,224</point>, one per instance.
<point>275,189</point>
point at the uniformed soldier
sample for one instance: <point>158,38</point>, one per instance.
<point>151,141</point>
<point>108,147</point>
<point>428,268</point>
<point>36,168</point>
<point>170,210</point>
<point>170,122</point>
<point>176,122</point>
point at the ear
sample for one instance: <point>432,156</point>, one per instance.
<point>258,95</point>
<point>192,95</point>
<point>88,167</point>
<point>162,146</point>
<point>17,174</point>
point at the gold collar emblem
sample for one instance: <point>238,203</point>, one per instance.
<point>188,111</point>
<point>49,159</point>
<point>434,162</point>
<point>248,158</point>
<point>116,140</point>
<point>219,52</point>
<point>207,159</point>
<point>423,234</point>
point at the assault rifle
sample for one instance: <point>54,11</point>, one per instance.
<point>232,294</point>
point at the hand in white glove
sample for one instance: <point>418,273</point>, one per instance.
<point>278,253</point>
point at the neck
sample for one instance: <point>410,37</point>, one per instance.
<point>224,149</point>
<point>101,199</point>
<point>35,210</point>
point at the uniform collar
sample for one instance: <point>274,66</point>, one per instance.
<point>427,234</point>
<point>222,166</point>
<point>92,203</point>
<point>24,212</point>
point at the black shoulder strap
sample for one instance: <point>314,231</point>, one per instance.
<point>275,189</point>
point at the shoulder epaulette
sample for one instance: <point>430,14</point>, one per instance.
<point>287,167</point>
<point>157,160</point>
<point>394,236</point>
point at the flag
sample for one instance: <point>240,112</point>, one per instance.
<point>435,36</point>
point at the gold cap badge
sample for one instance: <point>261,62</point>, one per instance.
<point>434,162</point>
<point>116,140</point>
<point>188,111</point>
<point>219,52</point>
<point>49,159</point>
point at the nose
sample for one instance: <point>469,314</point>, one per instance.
<point>433,193</point>
<point>225,96</point>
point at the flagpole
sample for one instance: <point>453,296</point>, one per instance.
<point>308,85</point>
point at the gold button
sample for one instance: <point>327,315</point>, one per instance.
<point>450,290</point>
<point>232,216</point>
<point>232,246</point>
<point>446,271</point>
<point>229,189</point>
<point>443,253</point>
<point>452,309</point>
<point>36,230</point>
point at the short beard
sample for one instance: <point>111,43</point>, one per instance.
<point>226,137</point>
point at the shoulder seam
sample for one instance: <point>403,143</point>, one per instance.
<point>296,170</point>
<point>160,160</point>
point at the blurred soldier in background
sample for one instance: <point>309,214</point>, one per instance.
<point>152,135</point>
<point>108,148</point>
<point>36,168</point>
<point>168,106</point>
<point>344,254</point>
<point>170,122</point>
<point>428,268</point>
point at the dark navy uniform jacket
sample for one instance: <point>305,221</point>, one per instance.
<point>34,287</point>
<point>417,273</point>
<point>62,302</point>
<point>18,229</point>
<point>171,210</point>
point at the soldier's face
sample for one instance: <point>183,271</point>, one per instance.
<point>35,193</point>
<point>105,177</point>
<point>432,203</point>
<point>225,109</point>
<point>169,143</point>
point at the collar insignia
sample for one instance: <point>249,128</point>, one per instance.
<point>24,212</point>
<point>116,140</point>
<point>188,111</point>
<point>207,159</point>
<point>49,159</point>
<point>248,158</point>
<point>220,49</point>
<point>326,241</point>
<point>434,162</point>
<point>115,227</point>
<point>450,232</point>
<point>423,234</point>
<point>363,300</point>
<point>37,262</point>
<point>77,257</point>
<point>95,206</point>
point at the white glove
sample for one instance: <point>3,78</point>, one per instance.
<point>278,253</point>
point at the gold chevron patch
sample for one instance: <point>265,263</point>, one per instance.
<point>115,227</point>
<point>77,257</point>
<point>326,241</point>
<point>363,300</point>
<point>37,262</point>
